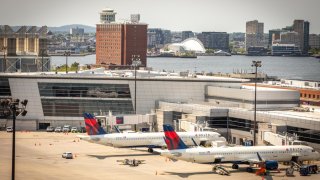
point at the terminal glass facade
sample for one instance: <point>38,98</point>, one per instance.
<point>84,90</point>
<point>232,123</point>
<point>4,87</point>
<point>73,99</point>
<point>303,134</point>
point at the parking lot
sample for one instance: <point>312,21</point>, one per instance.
<point>38,156</point>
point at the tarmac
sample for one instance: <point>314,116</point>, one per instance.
<point>38,157</point>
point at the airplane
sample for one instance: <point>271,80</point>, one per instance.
<point>267,156</point>
<point>151,140</point>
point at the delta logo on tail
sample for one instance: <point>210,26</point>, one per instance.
<point>92,126</point>
<point>172,139</point>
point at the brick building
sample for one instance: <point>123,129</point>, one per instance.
<point>116,43</point>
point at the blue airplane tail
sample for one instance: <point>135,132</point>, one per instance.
<point>92,126</point>
<point>172,139</point>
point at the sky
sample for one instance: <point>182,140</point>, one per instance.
<point>176,15</point>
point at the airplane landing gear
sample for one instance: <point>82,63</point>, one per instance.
<point>235,166</point>
<point>249,169</point>
<point>150,150</point>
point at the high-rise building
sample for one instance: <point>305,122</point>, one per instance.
<point>167,37</point>
<point>156,38</point>
<point>302,28</point>
<point>187,34</point>
<point>215,40</point>
<point>290,37</point>
<point>254,34</point>
<point>314,41</point>
<point>117,43</point>
<point>77,31</point>
<point>274,35</point>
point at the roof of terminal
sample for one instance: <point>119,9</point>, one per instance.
<point>124,75</point>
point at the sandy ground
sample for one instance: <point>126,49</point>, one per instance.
<point>38,157</point>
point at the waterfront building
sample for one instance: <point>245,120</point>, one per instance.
<point>21,50</point>
<point>254,34</point>
<point>157,37</point>
<point>186,34</point>
<point>289,37</point>
<point>285,50</point>
<point>189,45</point>
<point>274,36</point>
<point>117,43</point>
<point>167,37</point>
<point>215,40</point>
<point>257,51</point>
<point>302,28</point>
<point>314,41</point>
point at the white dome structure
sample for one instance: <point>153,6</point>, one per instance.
<point>190,44</point>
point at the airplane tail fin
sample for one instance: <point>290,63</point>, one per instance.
<point>92,126</point>
<point>172,139</point>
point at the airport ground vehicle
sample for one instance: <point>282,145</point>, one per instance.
<point>50,129</point>
<point>58,129</point>
<point>305,170</point>
<point>9,129</point>
<point>67,155</point>
<point>131,162</point>
<point>74,129</point>
<point>66,128</point>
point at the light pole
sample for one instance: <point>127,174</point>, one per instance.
<point>4,62</point>
<point>255,64</point>
<point>67,53</point>
<point>12,107</point>
<point>135,63</point>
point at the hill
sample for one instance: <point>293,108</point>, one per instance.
<point>66,28</point>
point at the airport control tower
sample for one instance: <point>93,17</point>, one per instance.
<point>107,15</point>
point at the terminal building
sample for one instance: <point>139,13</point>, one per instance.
<point>188,102</point>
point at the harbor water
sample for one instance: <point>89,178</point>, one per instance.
<point>304,68</point>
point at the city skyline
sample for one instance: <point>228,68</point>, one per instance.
<point>189,15</point>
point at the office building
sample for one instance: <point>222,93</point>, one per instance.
<point>290,37</point>
<point>302,28</point>
<point>285,50</point>
<point>314,41</point>
<point>77,31</point>
<point>274,36</point>
<point>187,34</point>
<point>254,34</point>
<point>215,40</point>
<point>156,38</point>
<point>117,43</point>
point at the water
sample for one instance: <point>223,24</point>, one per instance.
<point>306,68</point>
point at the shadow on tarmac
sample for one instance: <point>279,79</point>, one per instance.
<point>118,155</point>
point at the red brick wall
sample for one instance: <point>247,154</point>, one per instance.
<point>116,43</point>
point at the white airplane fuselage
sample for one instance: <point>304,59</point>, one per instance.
<point>242,154</point>
<point>150,139</point>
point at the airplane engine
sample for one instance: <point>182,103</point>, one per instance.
<point>272,165</point>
